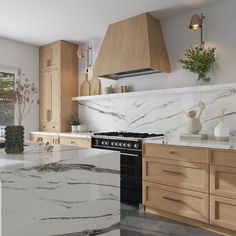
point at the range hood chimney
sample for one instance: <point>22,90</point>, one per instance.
<point>132,47</point>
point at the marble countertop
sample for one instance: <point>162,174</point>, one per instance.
<point>65,134</point>
<point>63,192</point>
<point>209,143</point>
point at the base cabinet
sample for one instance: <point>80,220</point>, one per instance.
<point>196,186</point>
<point>56,139</point>
<point>178,201</point>
<point>223,212</point>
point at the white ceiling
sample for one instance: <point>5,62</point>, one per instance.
<point>42,21</point>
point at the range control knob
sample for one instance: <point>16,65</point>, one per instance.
<point>103,142</point>
<point>116,144</point>
<point>124,144</point>
<point>129,145</point>
<point>136,145</point>
<point>106,143</point>
<point>120,144</point>
<point>112,143</point>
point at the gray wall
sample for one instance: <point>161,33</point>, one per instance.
<point>26,57</point>
<point>218,32</point>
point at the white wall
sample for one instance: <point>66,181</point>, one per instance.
<point>218,32</point>
<point>26,57</point>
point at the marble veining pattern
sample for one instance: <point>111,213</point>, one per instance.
<point>159,112</point>
<point>77,195</point>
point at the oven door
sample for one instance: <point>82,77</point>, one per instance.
<point>131,170</point>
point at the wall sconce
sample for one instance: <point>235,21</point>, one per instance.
<point>197,23</point>
<point>81,54</point>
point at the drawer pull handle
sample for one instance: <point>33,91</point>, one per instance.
<point>72,142</point>
<point>53,127</point>
<point>172,152</point>
<point>171,199</point>
<point>172,172</point>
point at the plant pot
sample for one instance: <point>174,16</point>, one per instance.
<point>14,139</point>
<point>194,125</point>
<point>81,128</point>
<point>222,132</point>
<point>74,128</point>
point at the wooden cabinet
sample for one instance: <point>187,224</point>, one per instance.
<point>57,139</point>
<point>178,201</point>
<point>193,185</point>
<point>192,176</point>
<point>223,181</point>
<point>53,139</point>
<point>223,212</point>
<point>80,142</point>
<point>50,56</point>
<point>198,155</point>
<point>58,84</point>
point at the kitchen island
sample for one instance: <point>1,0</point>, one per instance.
<point>64,192</point>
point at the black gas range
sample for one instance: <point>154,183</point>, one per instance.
<point>130,146</point>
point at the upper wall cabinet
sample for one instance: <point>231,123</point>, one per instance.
<point>58,84</point>
<point>50,56</point>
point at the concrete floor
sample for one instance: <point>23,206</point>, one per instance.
<point>139,223</point>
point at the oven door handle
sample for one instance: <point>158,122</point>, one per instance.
<point>129,154</point>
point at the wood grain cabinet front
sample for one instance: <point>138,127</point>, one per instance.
<point>177,201</point>
<point>80,142</point>
<point>223,212</point>
<point>192,176</point>
<point>223,181</point>
<point>197,155</point>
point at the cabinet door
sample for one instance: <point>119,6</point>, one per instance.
<point>45,96</point>
<point>55,96</point>
<point>223,212</point>
<point>50,57</point>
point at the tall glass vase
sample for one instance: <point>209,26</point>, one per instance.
<point>14,139</point>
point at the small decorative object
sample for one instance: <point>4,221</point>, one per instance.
<point>46,146</point>
<point>74,122</point>
<point>23,96</point>
<point>222,131</point>
<point>199,61</point>
<point>124,89</point>
<point>108,90</point>
<point>194,125</point>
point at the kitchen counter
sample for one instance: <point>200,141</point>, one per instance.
<point>64,134</point>
<point>209,143</point>
<point>61,192</point>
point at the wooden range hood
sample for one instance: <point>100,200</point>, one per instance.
<point>132,47</point>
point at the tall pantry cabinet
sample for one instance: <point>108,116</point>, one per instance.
<point>58,84</point>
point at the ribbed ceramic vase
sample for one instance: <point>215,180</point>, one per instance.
<point>14,139</point>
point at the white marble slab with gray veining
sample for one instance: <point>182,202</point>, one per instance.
<point>66,192</point>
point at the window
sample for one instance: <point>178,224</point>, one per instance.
<point>7,108</point>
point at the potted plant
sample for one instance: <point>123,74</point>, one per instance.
<point>74,121</point>
<point>22,94</point>
<point>199,61</point>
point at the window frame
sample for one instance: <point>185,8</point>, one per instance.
<point>16,73</point>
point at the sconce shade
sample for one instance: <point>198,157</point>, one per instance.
<point>196,22</point>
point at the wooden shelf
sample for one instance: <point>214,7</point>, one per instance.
<point>194,89</point>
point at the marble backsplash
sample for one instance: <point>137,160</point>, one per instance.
<point>161,113</point>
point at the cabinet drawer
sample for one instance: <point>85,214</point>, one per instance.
<point>223,181</point>
<point>181,202</point>
<point>196,155</point>
<point>224,158</point>
<point>223,212</point>
<point>193,176</point>
<point>80,142</point>
<point>54,127</point>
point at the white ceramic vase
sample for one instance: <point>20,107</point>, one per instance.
<point>222,132</point>
<point>194,125</point>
